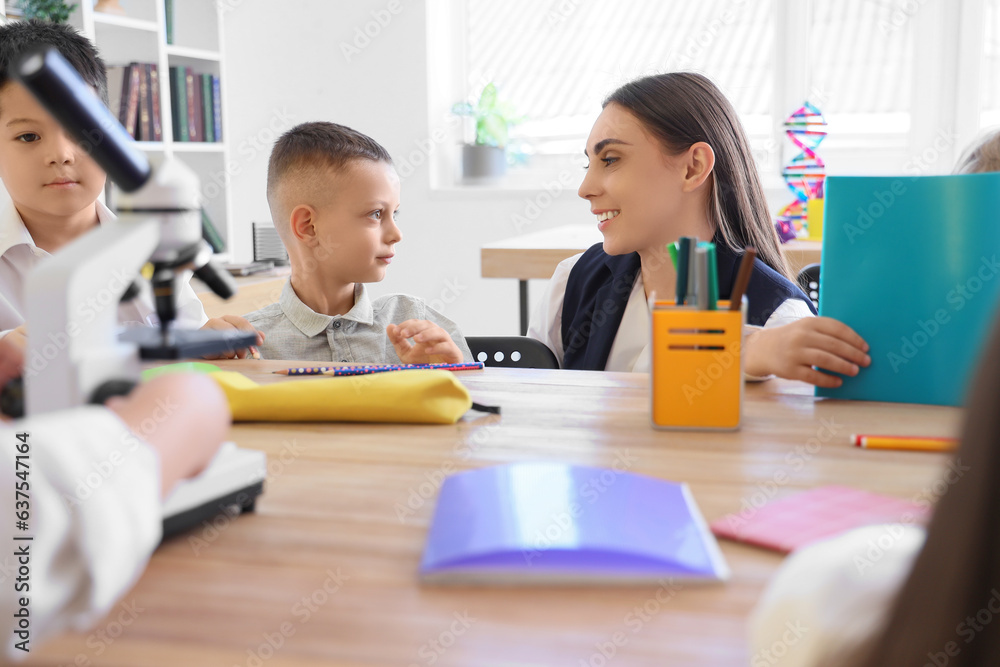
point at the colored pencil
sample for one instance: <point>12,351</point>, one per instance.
<point>904,442</point>
<point>377,368</point>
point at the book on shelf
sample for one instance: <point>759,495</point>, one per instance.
<point>129,116</point>
<point>210,233</point>
<point>145,124</point>
<point>169,6</point>
<point>154,102</point>
<point>196,105</point>
<point>217,108</point>
<point>134,98</point>
<point>192,108</point>
<point>178,103</point>
<point>207,107</point>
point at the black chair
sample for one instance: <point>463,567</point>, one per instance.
<point>808,279</point>
<point>511,352</point>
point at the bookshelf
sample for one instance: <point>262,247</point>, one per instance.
<point>141,36</point>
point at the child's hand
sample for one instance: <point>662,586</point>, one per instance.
<point>183,417</point>
<point>791,350</point>
<point>19,337</point>
<point>431,344</point>
<point>234,322</point>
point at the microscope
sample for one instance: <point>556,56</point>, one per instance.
<point>77,353</point>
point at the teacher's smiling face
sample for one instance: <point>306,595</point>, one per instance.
<point>634,187</point>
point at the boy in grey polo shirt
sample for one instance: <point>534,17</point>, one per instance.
<point>333,194</point>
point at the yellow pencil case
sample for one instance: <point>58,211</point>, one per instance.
<point>412,397</point>
<point>697,367</point>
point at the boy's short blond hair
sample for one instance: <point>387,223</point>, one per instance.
<point>983,155</point>
<point>303,156</point>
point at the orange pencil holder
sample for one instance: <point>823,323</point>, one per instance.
<point>697,367</point>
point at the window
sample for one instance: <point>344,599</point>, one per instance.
<point>555,61</point>
<point>883,72</point>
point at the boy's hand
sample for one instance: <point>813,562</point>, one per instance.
<point>234,322</point>
<point>791,350</point>
<point>431,344</point>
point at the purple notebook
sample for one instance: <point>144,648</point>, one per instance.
<point>553,523</point>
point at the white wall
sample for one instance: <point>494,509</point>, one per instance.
<point>285,65</point>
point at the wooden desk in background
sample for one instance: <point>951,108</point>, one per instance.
<point>536,256</point>
<point>255,292</point>
<point>326,569</point>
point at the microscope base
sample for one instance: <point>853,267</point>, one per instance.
<point>228,487</point>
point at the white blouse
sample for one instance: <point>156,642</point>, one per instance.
<point>631,350</point>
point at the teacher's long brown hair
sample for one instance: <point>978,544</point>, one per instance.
<point>948,611</point>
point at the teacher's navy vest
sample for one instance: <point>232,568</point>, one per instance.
<point>600,284</point>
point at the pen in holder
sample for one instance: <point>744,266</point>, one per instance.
<point>697,369</point>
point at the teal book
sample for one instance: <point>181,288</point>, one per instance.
<point>178,103</point>
<point>207,108</point>
<point>913,265</point>
<point>169,11</point>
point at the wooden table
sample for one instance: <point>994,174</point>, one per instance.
<point>330,517</point>
<point>536,256</point>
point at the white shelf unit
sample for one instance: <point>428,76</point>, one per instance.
<point>141,36</point>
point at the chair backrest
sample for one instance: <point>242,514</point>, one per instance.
<point>809,282</point>
<point>511,352</point>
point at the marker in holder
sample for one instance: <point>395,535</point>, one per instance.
<point>697,369</point>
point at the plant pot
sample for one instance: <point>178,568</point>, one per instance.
<point>483,162</point>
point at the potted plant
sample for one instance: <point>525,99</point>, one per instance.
<point>46,10</point>
<point>487,157</point>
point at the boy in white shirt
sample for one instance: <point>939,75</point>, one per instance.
<point>54,185</point>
